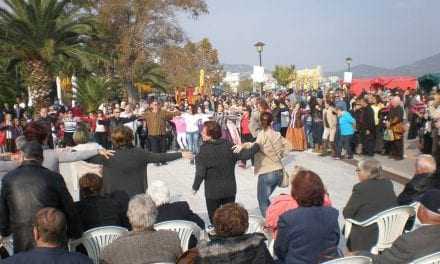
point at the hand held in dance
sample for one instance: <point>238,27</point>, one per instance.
<point>237,148</point>
<point>187,155</point>
<point>106,153</point>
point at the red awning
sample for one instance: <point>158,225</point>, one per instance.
<point>390,82</point>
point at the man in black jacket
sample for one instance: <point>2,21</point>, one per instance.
<point>367,128</point>
<point>29,188</point>
<point>424,179</point>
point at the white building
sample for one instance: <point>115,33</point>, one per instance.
<point>233,80</point>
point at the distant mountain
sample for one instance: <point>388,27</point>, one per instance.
<point>241,68</point>
<point>418,68</point>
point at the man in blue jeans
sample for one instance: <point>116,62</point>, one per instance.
<point>346,129</point>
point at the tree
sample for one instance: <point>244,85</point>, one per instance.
<point>40,36</point>
<point>152,74</point>
<point>284,74</point>
<point>93,91</point>
<point>182,65</point>
<point>11,84</point>
<point>136,31</point>
<point>245,85</point>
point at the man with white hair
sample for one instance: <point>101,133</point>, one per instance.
<point>168,210</point>
<point>425,178</point>
<point>143,244</point>
<point>396,126</point>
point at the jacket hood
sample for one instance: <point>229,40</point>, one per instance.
<point>230,245</point>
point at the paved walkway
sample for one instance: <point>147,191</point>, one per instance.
<point>338,177</point>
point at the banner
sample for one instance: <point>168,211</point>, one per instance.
<point>348,77</point>
<point>258,74</point>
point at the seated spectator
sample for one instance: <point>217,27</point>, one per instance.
<point>143,244</point>
<point>283,203</point>
<point>298,238</point>
<point>372,195</point>
<point>97,210</point>
<point>50,234</point>
<point>230,243</point>
<point>168,210</point>
<point>422,241</point>
<point>424,179</point>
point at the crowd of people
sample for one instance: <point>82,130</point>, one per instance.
<point>39,207</point>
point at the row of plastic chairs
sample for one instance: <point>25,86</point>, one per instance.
<point>94,240</point>
<point>430,259</point>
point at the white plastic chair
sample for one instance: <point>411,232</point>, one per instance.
<point>351,260</point>
<point>96,239</point>
<point>256,225</point>
<point>391,224</point>
<point>8,244</point>
<point>184,230</point>
<point>430,259</point>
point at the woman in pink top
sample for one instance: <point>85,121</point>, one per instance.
<point>281,204</point>
<point>180,124</point>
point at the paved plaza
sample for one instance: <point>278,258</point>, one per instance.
<point>338,177</point>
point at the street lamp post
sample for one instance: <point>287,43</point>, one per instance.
<point>259,46</point>
<point>348,61</point>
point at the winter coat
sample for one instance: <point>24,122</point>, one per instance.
<point>281,204</point>
<point>417,186</point>
<point>27,189</point>
<point>127,170</point>
<point>244,249</point>
<point>215,165</point>
<point>307,235</point>
<point>368,198</point>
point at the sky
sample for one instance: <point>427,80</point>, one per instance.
<point>384,33</point>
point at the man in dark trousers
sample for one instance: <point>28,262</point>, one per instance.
<point>156,122</point>
<point>367,128</point>
<point>29,188</point>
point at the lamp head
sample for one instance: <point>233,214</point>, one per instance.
<point>259,45</point>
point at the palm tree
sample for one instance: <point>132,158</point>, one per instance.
<point>153,75</point>
<point>93,91</point>
<point>41,35</point>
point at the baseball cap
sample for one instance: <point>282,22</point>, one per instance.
<point>431,200</point>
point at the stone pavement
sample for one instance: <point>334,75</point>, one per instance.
<point>338,177</point>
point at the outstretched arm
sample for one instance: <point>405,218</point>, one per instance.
<point>247,153</point>
<point>162,157</point>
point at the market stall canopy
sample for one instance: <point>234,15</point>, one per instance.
<point>426,82</point>
<point>391,82</point>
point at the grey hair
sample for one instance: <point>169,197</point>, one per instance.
<point>427,162</point>
<point>372,167</point>
<point>142,212</point>
<point>20,142</point>
<point>159,192</point>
